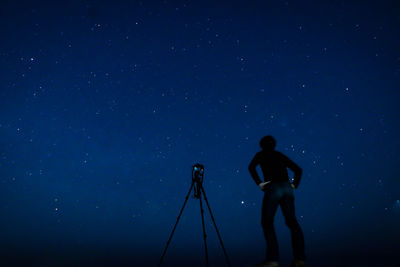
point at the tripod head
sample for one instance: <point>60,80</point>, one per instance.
<point>197,178</point>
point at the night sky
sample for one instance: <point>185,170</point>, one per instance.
<point>106,105</point>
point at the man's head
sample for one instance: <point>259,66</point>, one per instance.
<point>268,143</point>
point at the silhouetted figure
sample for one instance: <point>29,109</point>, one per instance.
<point>277,191</point>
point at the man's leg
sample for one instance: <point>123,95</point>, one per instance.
<point>269,206</point>
<point>287,206</point>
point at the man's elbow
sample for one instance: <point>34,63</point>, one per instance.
<point>251,167</point>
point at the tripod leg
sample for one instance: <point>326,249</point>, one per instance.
<point>204,230</point>
<point>215,225</point>
<point>177,220</point>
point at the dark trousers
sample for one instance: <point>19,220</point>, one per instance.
<point>281,193</point>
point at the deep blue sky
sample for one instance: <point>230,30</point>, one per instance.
<point>105,106</point>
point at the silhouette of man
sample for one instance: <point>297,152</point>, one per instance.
<point>277,191</point>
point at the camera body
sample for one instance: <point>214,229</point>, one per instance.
<point>197,170</point>
<point>197,178</point>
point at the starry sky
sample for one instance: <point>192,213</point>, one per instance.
<point>106,105</point>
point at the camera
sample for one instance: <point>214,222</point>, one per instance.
<point>197,178</point>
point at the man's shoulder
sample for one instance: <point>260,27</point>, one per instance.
<point>258,154</point>
<point>272,153</point>
<point>269,154</point>
<point>279,155</point>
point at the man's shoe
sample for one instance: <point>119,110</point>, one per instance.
<point>298,263</point>
<point>268,264</point>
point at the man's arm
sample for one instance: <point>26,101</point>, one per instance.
<point>296,169</point>
<point>253,171</point>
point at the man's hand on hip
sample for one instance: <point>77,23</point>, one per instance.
<point>263,184</point>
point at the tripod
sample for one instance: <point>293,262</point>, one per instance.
<point>197,184</point>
